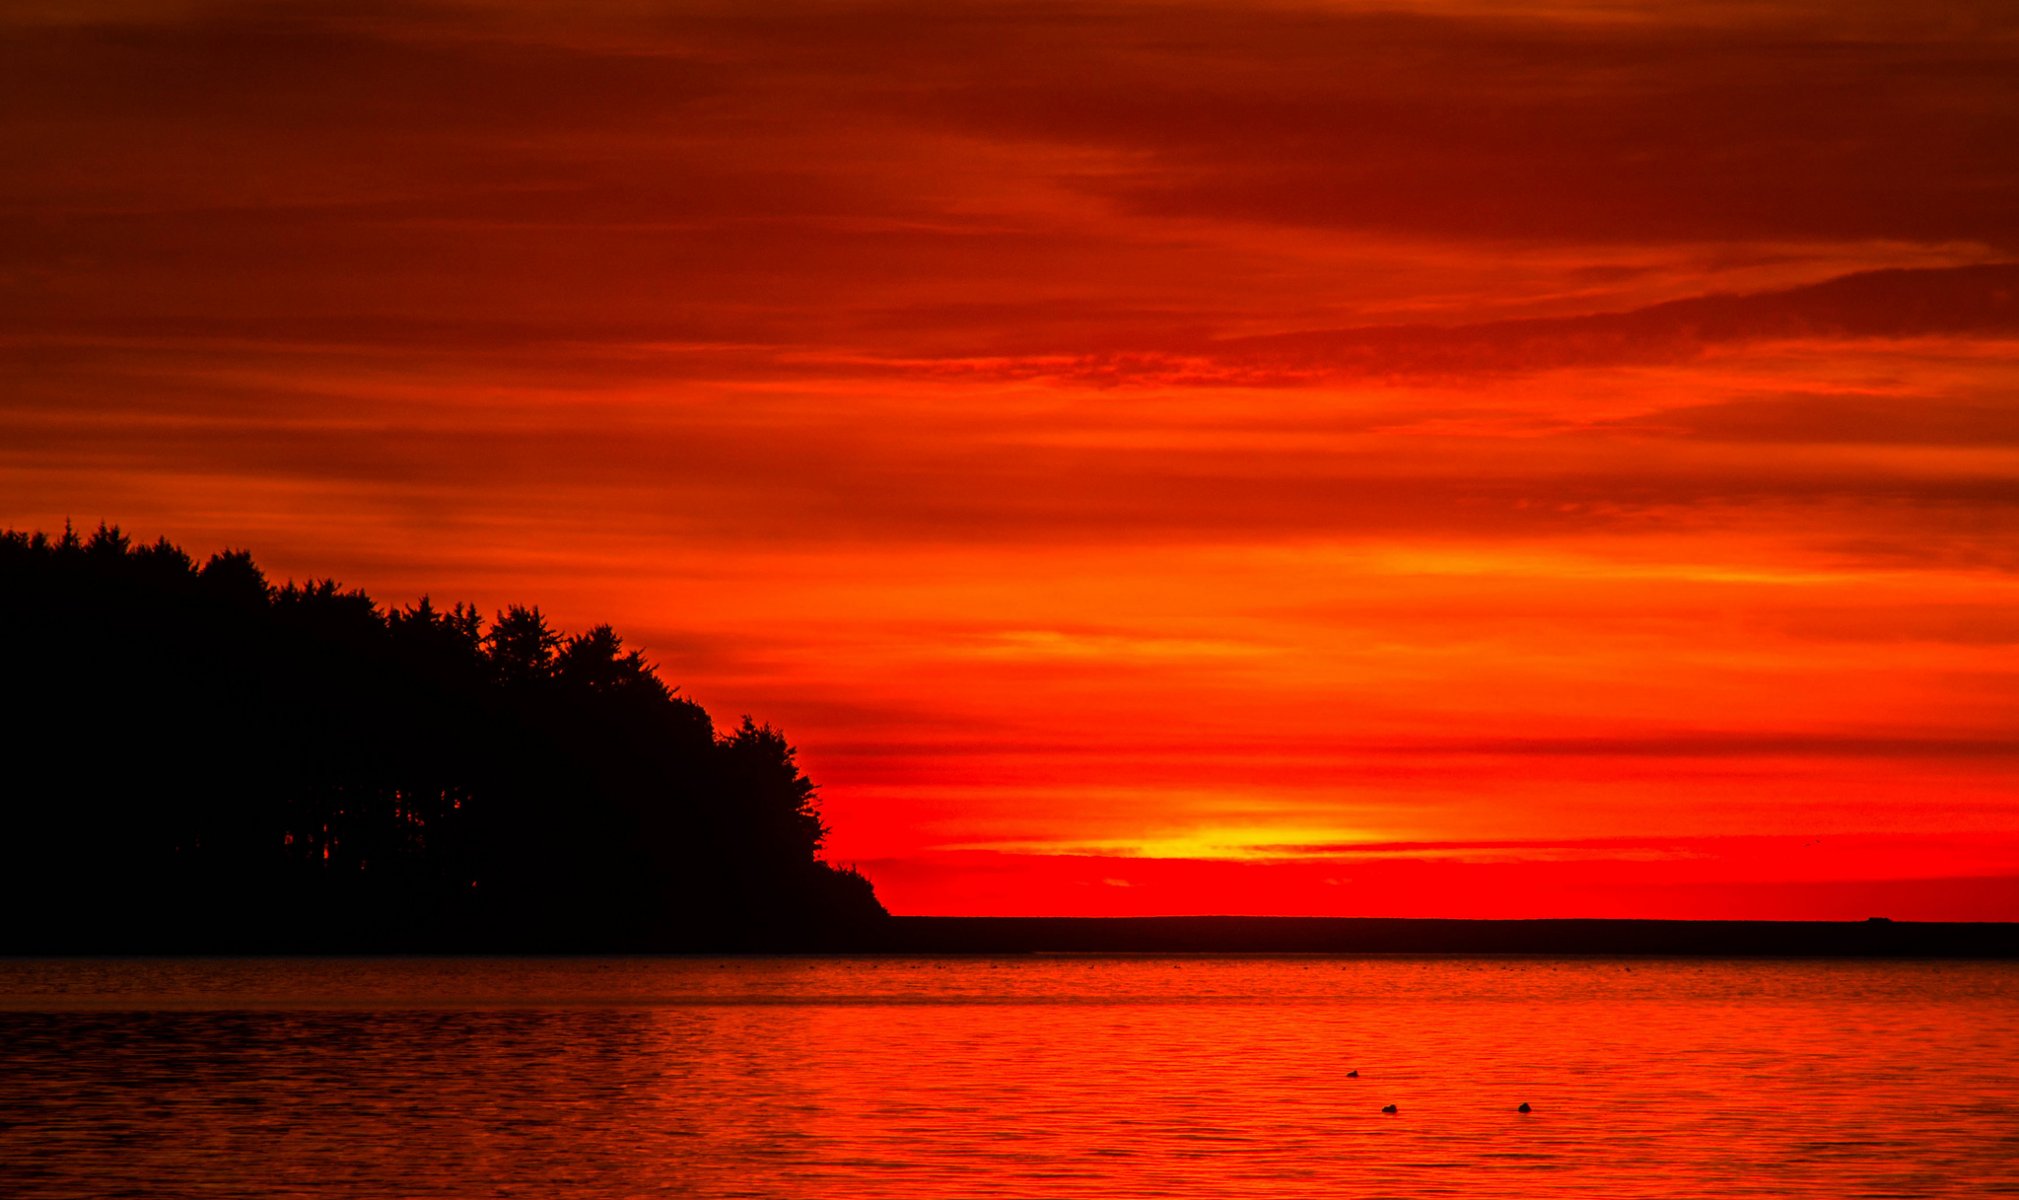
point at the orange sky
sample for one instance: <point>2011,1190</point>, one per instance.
<point>1433,459</point>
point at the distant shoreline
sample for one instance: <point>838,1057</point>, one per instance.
<point>1385,935</point>
<point>1332,936</point>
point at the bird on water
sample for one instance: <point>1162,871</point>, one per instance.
<point>1524,1107</point>
<point>1352,1074</point>
<point>1388,1108</point>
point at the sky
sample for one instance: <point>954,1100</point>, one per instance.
<point>1435,459</point>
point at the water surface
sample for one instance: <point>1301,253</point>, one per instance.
<point>1027,1077</point>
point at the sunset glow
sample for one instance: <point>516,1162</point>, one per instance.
<point>1302,458</point>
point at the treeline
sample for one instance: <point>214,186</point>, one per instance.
<point>200,760</point>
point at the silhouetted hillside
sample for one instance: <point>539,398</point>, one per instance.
<point>203,761</point>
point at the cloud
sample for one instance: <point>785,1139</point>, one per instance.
<point>1838,419</point>
<point>894,180</point>
<point>1980,300</point>
<point>1558,125</point>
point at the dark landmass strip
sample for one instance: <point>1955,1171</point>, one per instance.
<point>1371,935</point>
<point>199,761</point>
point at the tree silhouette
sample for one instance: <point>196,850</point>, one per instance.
<point>207,761</point>
<point>521,646</point>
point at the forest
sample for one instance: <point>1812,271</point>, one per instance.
<point>198,760</point>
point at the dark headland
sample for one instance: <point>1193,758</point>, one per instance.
<point>196,760</point>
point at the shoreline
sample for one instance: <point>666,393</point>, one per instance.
<point>929,936</point>
<point>1438,936</point>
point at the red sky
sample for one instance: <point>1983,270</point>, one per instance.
<point>1437,459</point>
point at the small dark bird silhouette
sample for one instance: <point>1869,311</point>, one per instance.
<point>1524,1107</point>
<point>1388,1108</point>
<point>1352,1074</point>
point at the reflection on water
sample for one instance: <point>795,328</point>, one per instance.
<point>1033,1077</point>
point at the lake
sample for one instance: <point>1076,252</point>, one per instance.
<point>1024,1077</point>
